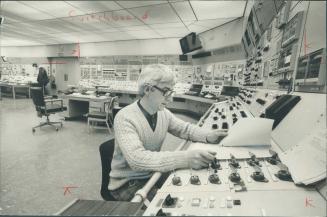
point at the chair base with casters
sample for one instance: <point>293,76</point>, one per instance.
<point>106,154</point>
<point>48,122</point>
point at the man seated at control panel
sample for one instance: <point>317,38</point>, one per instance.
<point>140,129</point>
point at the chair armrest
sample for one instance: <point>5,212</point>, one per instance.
<point>47,97</point>
<point>52,101</point>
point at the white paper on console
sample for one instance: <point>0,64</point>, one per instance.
<point>249,132</point>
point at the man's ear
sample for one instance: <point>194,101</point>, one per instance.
<point>146,90</point>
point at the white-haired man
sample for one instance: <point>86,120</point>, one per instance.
<point>140,129</point>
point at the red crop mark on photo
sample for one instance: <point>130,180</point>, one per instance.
<point>308,202</point>
<point>67,189</point>
<point>77,50</point>
<point>145,15</point>
<point>306,44</point>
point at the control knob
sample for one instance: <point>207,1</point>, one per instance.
<point>195,180</point>
<point>214,179</point>
<point>176,180</point>
<point>259,176</point>
<point>234,177</point>
<point>284,175</point>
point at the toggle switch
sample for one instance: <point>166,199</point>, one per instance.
<point>243,114</point>
<point>229,202</point>
<point>169,201</point>
<point>215,164</point>
<point>196,202</point>
<point>212,202</point>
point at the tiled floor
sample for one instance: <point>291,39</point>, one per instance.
<point>36,167</point>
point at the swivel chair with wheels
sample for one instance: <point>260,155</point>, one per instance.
<point>46,107</point>
<point>106,153</point>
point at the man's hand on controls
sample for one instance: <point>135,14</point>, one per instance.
<point>215,136</point>
<point>199,159</point>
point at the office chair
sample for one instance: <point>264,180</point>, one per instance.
<point>106,153</point>
<point>105,116</point>
<point>46,107</point>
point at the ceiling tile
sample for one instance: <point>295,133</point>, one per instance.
<point>54,8</point>
<point>133,4</point>
<point>18,42</point>
<point>19,11</point>
<point>122,18</point>
<point>218,9</point>
<point>167,25</point>
<point>184,10</point>
<point>143,34</point>
<point>91,38</point>
<point>156,14</point>
<point>56,25</point>
<point>200,26</point>
<point>21,28</point>
<point>135,28</point>
<point>83,24</point>
<point>117,36</point>
<point>95,6</point>
<point>173,32</point>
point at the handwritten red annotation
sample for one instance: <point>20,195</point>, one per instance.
<point>308,202</point>
<point>67,189</point>
<point>77,50</point>
<point>104,17</point>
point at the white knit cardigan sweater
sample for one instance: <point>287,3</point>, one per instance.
<point>137,147</point>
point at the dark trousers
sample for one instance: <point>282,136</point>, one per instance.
<point>127,191</point>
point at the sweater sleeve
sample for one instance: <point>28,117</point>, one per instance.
<point>185,130</point>
<point>137,157</point>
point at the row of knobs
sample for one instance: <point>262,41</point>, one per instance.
<point>234,176</point>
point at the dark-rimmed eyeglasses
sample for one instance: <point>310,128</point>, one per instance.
<point>166,92</point>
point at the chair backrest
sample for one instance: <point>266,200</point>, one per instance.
<point>37,96</point>
<point>106,153</point>
<point>108,106</point>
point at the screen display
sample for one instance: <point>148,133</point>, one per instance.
<point>190,43</point>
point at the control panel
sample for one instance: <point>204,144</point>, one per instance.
<point>240,181</point>
<point>243,187</point>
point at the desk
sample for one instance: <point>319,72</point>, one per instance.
<point>14,86</point>
<point>79,104</point>
<point>192,105</point>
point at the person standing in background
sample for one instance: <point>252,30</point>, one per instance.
<point>43,79</point>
